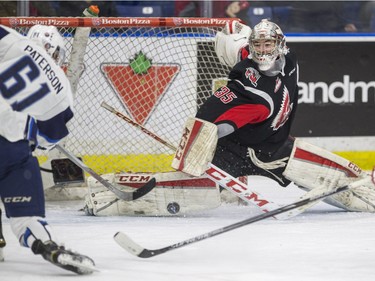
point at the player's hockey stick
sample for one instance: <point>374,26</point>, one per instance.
<point>213,172</point>
<point>135,249</point>
<point>124,195</point>
<point>2,240</point>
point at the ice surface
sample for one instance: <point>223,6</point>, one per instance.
<point>323,243</point>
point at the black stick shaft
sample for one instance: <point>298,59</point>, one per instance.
<point>146,253</point>
<point>127,196</point>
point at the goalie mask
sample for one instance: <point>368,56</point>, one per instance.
<point>266,44</point>
<point>50,39</point>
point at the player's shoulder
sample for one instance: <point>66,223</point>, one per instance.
<point>240,68</point>
<point>291,58</point>
<point>5,30</point>
<point>8,38</point>
<point>291,64</point>
<point>243,64</point>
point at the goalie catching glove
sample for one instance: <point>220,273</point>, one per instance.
<point>231,42</point>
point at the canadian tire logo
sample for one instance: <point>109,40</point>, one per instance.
<point>140,85</point>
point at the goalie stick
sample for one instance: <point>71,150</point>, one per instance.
<point>217,175</point>
<point>138,126</point>
<point>135,249</point>
<point>226,180</point>
<point>222,178</point>
<point>126,196</point>
<point>81,37</point>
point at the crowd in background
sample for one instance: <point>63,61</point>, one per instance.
<point>293,16</point>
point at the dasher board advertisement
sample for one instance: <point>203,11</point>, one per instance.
<point>336,89</point>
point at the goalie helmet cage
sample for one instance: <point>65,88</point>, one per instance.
<point>158,71</point>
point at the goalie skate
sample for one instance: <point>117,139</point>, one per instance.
<point>63,258</point>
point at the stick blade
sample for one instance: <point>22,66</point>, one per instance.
<point>143,190</point>
<point>128,244</point>
<point>107,106</point>
<point>131,195</point>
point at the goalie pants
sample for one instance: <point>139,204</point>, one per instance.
<point>310,168</point>
<point>233,158</point>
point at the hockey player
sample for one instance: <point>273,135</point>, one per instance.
<point>244,127</point>
<point>35,105</point>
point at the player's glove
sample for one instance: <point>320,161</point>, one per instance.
<point>44,143</point>
<point>31,132</point>
<point>36,138</point>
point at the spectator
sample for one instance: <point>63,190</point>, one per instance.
<point>36,8</point>
<point>232,9</point>
<point>188,9</point>
<point>41,8</point>
<point>220,9</point>
<point>75,8</point>
<point>320,16</point>
<point>8,8</point>
<point>367,16</point>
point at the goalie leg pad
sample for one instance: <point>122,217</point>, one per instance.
<point>311,167</point>
<point>196,148</point>
<point>175,194</point>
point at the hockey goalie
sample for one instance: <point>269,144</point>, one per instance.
<point>244,127</point>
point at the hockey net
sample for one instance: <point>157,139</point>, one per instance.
<point>157,71</point>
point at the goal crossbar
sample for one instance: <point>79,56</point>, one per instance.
<point>116,21</point>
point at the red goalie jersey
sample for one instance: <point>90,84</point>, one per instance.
<point>256,110</point>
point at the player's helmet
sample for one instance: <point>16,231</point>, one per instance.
<point>50,39</point>
<point>266,44</point>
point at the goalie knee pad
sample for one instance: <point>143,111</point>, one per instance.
<point>196,148</point>
<point>312,167</point>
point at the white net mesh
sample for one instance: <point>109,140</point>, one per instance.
<point>157,76</point>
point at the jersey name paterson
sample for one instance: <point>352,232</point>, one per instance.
<point>45,67</point>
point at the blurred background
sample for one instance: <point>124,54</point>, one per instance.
<point>293,16</point>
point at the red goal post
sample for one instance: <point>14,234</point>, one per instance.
<point>115,22</point>
<point>157,71</point>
